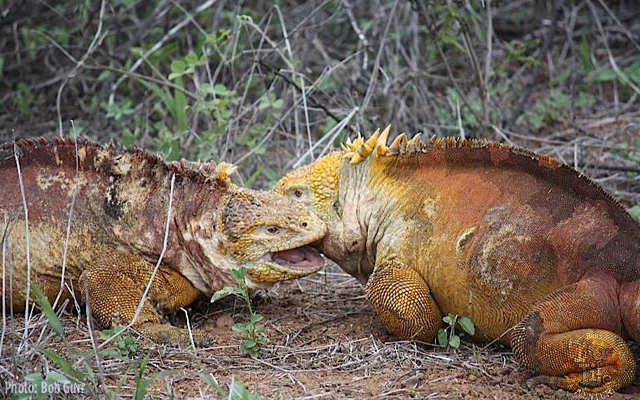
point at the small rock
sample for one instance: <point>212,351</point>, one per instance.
<point>411,382</point>
<point>224,321</point>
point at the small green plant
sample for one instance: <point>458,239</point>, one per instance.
<point>255,336</point>
<point>626,77</point>
<point>447,336</point>
<point>550,108</point>
<point>142,384</point>
<point>237,390</point>
<point>125,346</point>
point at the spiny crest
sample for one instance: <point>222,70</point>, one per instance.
<point>360,149</point>
<point>111,153</point>
<point>206,172</point>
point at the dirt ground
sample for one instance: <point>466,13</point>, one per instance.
<point>324,343</point>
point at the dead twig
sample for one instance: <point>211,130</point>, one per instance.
<point>16,152</point>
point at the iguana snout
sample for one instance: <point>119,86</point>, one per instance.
<point>257,232</point>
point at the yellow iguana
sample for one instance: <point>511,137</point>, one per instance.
<point>499,234</point>
<point>116,202</point>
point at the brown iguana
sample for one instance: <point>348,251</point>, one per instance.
<point>116,202</point>
<point>499,234</point>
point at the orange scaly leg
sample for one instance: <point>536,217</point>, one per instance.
<point>402,300</point>
<point>115,284</point>
<point>573,338</point>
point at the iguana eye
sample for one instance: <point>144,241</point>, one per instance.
<point>297,193</point>
<point>272,230</point>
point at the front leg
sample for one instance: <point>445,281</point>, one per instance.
<point>402,300</point>
<point>115,284</point>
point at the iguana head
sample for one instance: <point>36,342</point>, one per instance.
<point>317,186</point>
<point>324,187</point>
<point>270,233</point>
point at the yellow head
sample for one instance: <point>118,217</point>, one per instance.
<point>316,186</point>
<point>271,233</point>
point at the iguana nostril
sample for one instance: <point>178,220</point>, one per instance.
<point>304,224</point>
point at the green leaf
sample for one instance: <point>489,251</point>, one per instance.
<point>633,72</point>
<point>583,48</point>
<point>454,341</point>
<point>250,343</point>
<point>451,39</point>
<point>239,391</point>
<point>443,338</point>
<point>47,310</point>
<point>271,175</point>
<point>36,380</point>
<point>222,293</point>
<point>605,75</point>
<point>634,211</point>
<point>65,365</point>
<point>255,318</point>
<point>191,58</point>
<point>111,353</point>
<point>53,377</point>
<point>239,328</point>
<point>104,75</point>
<point>220,89</point>
<point>178,66</point>
<point>35,377</point>
<point>137,51</point>
<point>253,176</point>
<point>448,319</point>
<point>175,75</point>
<point>141,383</point>
<point>467,325</point>
<point>180,103</point>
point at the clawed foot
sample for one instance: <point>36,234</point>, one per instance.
<point>537,380</point>
<point>575,382</point>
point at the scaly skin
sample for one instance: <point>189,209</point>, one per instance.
<point>532,251</point>
<point>118,224</point>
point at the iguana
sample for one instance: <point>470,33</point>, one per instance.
<point>535,253</point>
<point>114,204</point>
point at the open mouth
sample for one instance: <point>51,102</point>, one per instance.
<point>299,258</point>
